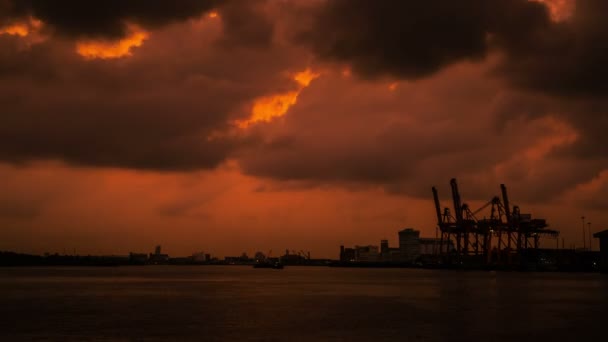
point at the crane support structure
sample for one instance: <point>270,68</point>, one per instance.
<point>488,240</point>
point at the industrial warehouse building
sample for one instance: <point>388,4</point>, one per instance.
<point>411,249</point>
<point>603,236</point>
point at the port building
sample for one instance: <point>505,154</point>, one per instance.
<point>409,244</point>
<point>367,253</point>
<point>347,254</point>
<point>158,257</point>
<point>433,246</point>
<point>411,249</point>
<point>603,236</point>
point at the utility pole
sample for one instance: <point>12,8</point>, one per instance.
<point>589,235</point>
<point>584,237</point>
<point>435,251</point>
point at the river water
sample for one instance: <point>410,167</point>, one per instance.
<point>237,303</point>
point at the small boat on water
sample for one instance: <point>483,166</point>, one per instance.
<point>277,265</point>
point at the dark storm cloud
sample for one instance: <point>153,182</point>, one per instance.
<point>566,59</point>
<point>169,106</point>
<point>553,68</point>
<point>371,135</point>
<point>163,107</point>
<point>107,18</point>
<point>413,39</point>
<point>457,123</point>
<point>246,25</point>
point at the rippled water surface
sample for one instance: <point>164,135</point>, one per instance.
<point>231,303</point>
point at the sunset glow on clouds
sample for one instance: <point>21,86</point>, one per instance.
<point>22,28</point>
<point>112,49</point>
<point>293,124</point>
<point>560,9</point>
<point>16,29</point>
<point>268,108</point>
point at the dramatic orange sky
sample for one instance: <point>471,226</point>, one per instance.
<point>235,126</point>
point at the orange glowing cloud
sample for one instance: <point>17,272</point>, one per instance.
<point>560,9</point>
<point>111,49</point>
<point>305,77</point>
<point>22,29</point>
<point>213,15</point>
<point>266,108</point>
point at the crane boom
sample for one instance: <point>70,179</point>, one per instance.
<point>456,199</point>
<point>505,202</point>
<point>437,206</point>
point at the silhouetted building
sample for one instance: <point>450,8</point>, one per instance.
<point>199,257</point>
<point>409,244</point>
<point>232,260</point>
<point>603,236</point>
<point>412,248</point>
<point>138,258</point>
<point>259,256</point>
<point>240,260</point>
<point>157,257</point>
<point>367,253</point>
<point>388,254</point>
<point>294,258</point>
<point>430,246</point>
<point>347,254</point>
<point>384,247</point>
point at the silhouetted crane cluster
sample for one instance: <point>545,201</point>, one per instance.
<point>504,236</point>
